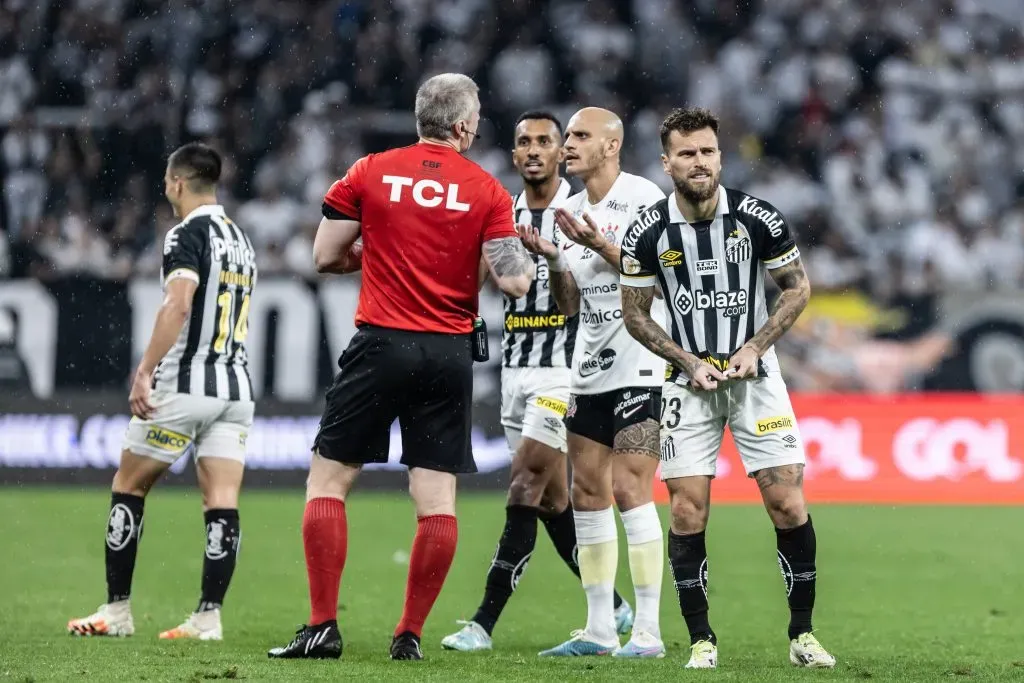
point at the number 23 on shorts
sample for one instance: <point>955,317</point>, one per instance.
<point>670,412</point>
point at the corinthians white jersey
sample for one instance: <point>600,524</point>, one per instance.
<point>606,357</point>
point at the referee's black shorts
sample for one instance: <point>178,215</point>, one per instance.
<point>424,379</point>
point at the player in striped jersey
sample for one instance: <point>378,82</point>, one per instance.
<point>537,347</point>
<point>191,392</point>
<point>708,247</point>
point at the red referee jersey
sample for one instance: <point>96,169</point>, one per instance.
<point>425,211</point>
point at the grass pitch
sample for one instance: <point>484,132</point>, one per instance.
<point>910,594</point>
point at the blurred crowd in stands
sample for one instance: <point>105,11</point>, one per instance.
<point>890,134</point>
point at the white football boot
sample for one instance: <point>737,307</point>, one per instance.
<point>807,652</point>
<point>703,655</point>
<point>198,626</point>
<point>110,619</point>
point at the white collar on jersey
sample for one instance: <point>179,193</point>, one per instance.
<point>676,216</point>
<point>560,196</point>
<point>204,210</point>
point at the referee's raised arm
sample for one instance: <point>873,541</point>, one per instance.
<point>426,216</point>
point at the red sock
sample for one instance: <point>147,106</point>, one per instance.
<point>325,539</point>
<point>432,553</point>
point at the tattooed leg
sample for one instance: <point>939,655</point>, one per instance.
<point>783,494</point>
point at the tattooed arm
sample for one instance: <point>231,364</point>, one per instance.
<point>796,291</point>
<point>510,265</point>
<point>561,283</point>
<point>636,313</point>
<point>562,286</point>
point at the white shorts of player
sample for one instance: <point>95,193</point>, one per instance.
<point>215,427</point>
<point>759,415</point>
<point>533,404</point>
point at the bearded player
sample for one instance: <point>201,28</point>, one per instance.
<point>709,248</point>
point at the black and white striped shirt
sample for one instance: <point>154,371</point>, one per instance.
<point>711,272</point>
<point>209,358</point>
<point>535,333</point>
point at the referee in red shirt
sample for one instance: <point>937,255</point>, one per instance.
<point>425,214</point>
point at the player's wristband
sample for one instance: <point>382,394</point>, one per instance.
<point>558,265</point>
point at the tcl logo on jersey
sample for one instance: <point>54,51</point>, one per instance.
<point>926,449</point>
<point>771,219</point>
<point>595,364</point>
<point>427,193</point>
<point>731,303</point>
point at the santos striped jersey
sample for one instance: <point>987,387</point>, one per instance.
<point>209,356</point>
<point>711,272</point>
<point>535,333</point>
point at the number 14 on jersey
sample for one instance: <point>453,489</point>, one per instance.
<point>231,321</point>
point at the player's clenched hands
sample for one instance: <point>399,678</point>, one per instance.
<point>703,376</point>
<point>743,363</point>
<point>138,400</point>
<point>535,244</point>
<point>585,232</point>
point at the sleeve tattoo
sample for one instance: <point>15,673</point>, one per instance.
<point>508,257</point>
<point>796,291</point>
<point>636,313</point>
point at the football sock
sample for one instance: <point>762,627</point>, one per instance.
<point>432,552</point>
<point>689,559</point>
<point>597,537</point>
<point>562,530</point>
<point>124,529</point>
<point>646,564</point>
<point>223,536</point>
<point>325,541</point>
<point>797,548</point>
<point>509,563</point>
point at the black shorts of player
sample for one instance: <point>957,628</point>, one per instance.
<point>423,379</point>
<point>599,417</point>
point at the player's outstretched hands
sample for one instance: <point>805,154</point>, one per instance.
<point>704,376</point>
<point>743,364</point>
<point>586,232</point>
<point>138,400</point>
<point>535,244</point>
